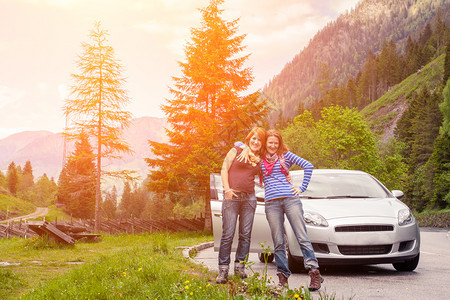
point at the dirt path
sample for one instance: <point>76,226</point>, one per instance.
<point>40,212</point>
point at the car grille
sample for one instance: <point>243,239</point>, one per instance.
<point>364,228</point>
<point>365,250</point>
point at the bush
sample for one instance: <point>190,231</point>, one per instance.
<point>440,219</point>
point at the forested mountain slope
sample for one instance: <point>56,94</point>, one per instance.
<point>384,113</point>
<point>343,46</point>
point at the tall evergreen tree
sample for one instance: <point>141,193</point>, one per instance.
<point>77,181</point>
<point>447,63</point>
<point>207,111</point>
<point>126,201</point>
<point>27,177</point>
<point>12,178</point>
<point>96,104</point>
<point>425,127</point>
<point>367,82</point>
<point>445,108</point>
<point>109,205</point>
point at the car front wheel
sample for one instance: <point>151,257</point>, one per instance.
<point>407,266</point>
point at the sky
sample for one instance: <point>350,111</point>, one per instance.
<point>40,41</point>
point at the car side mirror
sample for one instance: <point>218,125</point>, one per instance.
<point>398,194</point>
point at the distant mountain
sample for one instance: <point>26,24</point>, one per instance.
<point>45,149</point>
<point>343,45</point>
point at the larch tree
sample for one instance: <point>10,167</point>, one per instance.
<point>207,111</point>
<point>96,104</point>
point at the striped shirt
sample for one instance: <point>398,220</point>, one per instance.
<point>276,185</point>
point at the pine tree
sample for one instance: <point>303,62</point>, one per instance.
<point>207,111</point>
<point>77,181</point>
<point>425,127</point>
<point>445,108</point>
<point>125,202</point>
<point>109,205</point>
<point>351,92</point>
<point>367,82</point>
<point>12,178</point>
<point>27,177</point>
<point>447,63</point>
<point>96,104</point>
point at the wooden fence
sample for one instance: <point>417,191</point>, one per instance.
<point>116,226</point>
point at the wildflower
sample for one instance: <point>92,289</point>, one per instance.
<point>208,284</point>
<point>187,281</point>
<point>186,287</point>
<point>140,269</point>
<point>296,296</point>
<point>192,293</point>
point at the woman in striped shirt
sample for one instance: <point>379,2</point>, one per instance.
<point>281,199</point>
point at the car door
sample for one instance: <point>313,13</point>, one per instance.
<point>260,231</point>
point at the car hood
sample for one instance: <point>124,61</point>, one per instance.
<point>358,207</point>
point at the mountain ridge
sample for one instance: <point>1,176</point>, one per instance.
<point>44,149</point>
<point>343,45</point>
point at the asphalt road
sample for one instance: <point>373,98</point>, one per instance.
<point>431,279</point>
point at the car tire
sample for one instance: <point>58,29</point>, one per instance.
<point>407,266</point>
<point>269,258</point>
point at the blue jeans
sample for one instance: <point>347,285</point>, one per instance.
<point>292,208</point>
<point>243,207</point>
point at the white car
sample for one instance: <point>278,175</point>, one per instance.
<point>351,218</point>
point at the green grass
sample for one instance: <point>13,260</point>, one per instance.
<point>122,264</point>
<point>146,266</point>
<point>15,205</point>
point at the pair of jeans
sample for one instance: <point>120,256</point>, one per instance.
<point>292,207</point>
<point>242,209</point>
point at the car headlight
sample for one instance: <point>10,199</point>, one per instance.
<point>405,217</point>
<point>314,219</point>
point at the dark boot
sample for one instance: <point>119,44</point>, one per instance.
<point>223,275</point>
<point>316,280</point>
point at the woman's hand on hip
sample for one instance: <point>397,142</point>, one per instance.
<point>297,191</point>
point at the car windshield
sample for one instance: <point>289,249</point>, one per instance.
<point>341,186</point>
<point>329,185</point>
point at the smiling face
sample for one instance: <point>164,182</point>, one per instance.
<point>272,145</point>
<point>255,143</point>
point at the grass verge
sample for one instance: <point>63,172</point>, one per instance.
<point>145,266</point>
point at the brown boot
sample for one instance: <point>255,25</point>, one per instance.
<point>316,280</point>
<point>283,280</point>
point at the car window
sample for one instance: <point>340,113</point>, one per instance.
<point>342,185</point>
